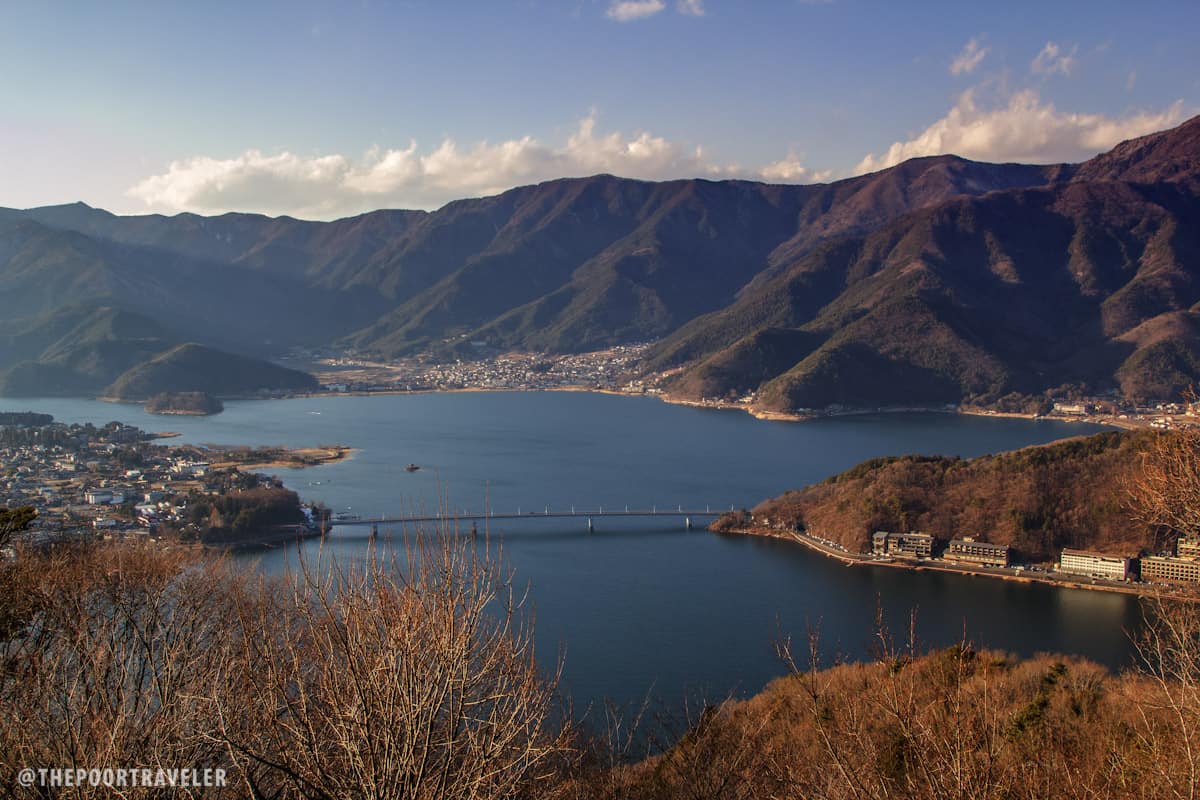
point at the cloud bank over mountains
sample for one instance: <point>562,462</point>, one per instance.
<point>327,186</point>
<point>1020,127</point>
<point>1025,129</point>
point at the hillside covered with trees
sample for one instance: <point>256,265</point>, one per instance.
<point>1037,500</point>
<point>195,368</point>
<point>189,403</point>
<point>240,515</point>
<point>86,351</point>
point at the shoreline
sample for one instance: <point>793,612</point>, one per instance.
<point>1099,419</point>
<point>181,413</point>
<point>747,408</point>
<point>865,559</point>
<point>786,416</point>
<point>264,541</point>
<point>292,458</point>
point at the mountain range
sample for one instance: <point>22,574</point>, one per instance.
<point>937,280</point>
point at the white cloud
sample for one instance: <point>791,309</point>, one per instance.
<point>629,10</point>
<point>1052,59</point>
<point>966,61</point>
<point>1131,81</point>
<point>326,186</point>
<point>791,170</point>
<point>1024,129</point>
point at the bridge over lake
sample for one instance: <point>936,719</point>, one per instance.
<point>546,513</point>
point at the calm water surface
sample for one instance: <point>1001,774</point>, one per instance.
<point>642,606</point>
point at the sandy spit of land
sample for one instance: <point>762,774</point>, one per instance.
<point>286,457</point>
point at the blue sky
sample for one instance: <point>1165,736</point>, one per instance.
<point>325,109</point>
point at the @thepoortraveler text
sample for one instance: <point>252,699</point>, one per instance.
<point>117,777</point>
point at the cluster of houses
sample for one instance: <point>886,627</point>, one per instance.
<point>1183,567</point>
<point>136,488</point>
<point>1161,415</point>
<point>84,480</point>
<point>483,369</point>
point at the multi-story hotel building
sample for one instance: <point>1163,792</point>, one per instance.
<point>1165,569</point>
<point>1188,547</point>
<point>1094,565</point>
<point>902,545</point>
<point>984,553</point>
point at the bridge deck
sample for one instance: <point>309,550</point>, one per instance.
<point>469,517</point>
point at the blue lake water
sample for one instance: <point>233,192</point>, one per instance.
<point>641,606</point>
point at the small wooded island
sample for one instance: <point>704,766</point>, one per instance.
<point>189,403</point>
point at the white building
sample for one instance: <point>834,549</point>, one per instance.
<point>1094,565</point>
<point>1071,409</point>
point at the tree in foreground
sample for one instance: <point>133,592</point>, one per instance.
<point>13,520</point>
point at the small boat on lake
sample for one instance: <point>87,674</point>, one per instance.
<point>413,467</point>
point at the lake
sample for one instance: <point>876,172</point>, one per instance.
<point>641,606</point>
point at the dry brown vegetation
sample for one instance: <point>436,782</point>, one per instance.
<point>1037,500</point>
<point>404,678</point>
<point>1165,491</point>
<point>960,723</point>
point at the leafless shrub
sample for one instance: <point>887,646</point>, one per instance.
<point>115,644</point>
<point>406,677</point>
<point>410,676</point>
<point>1166,736</point>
